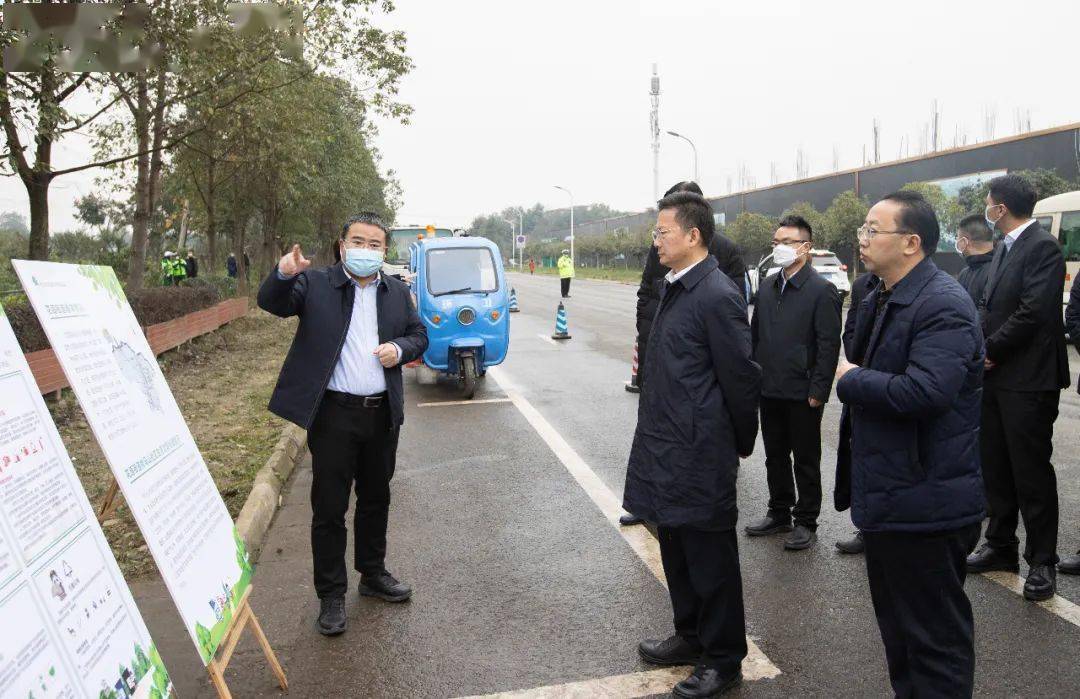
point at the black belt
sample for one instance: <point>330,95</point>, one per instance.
<point>375,401</point>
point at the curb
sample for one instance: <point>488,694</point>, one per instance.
<point>262,502</point>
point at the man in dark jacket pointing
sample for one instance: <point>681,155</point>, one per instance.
<point>697,417</point>
<point>341,381</point>
<point>916,485</point>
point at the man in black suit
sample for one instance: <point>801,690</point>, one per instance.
<point>796,337</point>
<point>648,295</point>
<point>341,381</point>
<point>695,420</point>
<point>975,243</point>
<point>1026,368</point>
<point>842,488</point>
<point>1070,565</point>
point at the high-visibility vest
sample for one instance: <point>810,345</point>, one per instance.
<point>566,267</point>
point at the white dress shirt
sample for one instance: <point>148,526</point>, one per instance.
<point>1011,238</point>
<point>672,277</point>
<point>358,370</point>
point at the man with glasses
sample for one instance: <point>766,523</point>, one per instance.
<point>697,418</point>
<point>796,339</point>
<point>916,487</point>
<point>341,381</point>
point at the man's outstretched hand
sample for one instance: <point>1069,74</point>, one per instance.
<point>293,262</point>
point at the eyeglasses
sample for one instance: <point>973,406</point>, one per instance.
<point>659,233</point>
<point>865,232</point>
<point>369,244</point>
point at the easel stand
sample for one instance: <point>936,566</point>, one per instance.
<point>108,503</point>
<point>217,665</point>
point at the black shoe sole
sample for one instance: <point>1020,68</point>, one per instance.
<point>366,591</point>
<point>1068,571</point>
<point>667,662</point>
<point>731,684</point>
<point>1039,596</point>
<point>850,551</point>
<point>798,547</point>
<point>329,632</point>
<point>780,529</point>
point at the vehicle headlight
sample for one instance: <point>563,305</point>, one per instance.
<point>466,316</point>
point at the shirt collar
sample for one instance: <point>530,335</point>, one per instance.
<point>1018,230</point>
<point>672,277</point>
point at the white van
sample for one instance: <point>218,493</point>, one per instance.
<point>1060,216</point>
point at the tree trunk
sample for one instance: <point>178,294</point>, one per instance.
<point>239,224</point>
<point>211,221</point>
<point>37,189</point>
<point>140,224</point>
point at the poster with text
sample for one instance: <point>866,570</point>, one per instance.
<point>70,626</point>
<point>146,440</point>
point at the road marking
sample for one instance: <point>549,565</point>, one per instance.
<point>1057,604</point>
<point>634,685</point>
<point>463,402</point>
<point>756,665</point>
<point>545,338</point>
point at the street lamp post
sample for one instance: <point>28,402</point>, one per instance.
<point>571,220</point>
<point>692,147</point>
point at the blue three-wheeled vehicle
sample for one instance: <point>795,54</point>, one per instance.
<point>462,298</point>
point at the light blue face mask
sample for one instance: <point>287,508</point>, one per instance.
<point>363,262</point>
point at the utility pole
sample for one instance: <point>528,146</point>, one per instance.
<point>654,127</point>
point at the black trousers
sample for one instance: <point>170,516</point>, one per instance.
<point>792,427</point>
<point>1016,443</point>
<point>705,583</point>
<point>565,283</point>
<point>352,447</point>
<point>917,587</point>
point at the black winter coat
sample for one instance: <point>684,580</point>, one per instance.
<point>915,406</point>
<point>699,412</point>
<point>974,274</point>
<point>727,258</point>
<point>1072,319</point>
<point>323,298</point>
<point>796,336</point>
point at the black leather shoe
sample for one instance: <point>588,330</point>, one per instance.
<point>854,545</point>
<point>332,620</point>
<point>799,539</point>
<point>988,558</point>
<point>1070,565</point>
<point>1041,583</point>
<point>769,524</point>
<point>707,682</point>
<point>629,519</point>
<point>670,651</point>
<point>385,587</point>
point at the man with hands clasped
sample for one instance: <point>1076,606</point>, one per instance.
<point>342,382</point>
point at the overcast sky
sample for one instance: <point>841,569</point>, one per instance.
<point>512,98</point>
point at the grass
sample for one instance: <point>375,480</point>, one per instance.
<point>615,274</point>
<point>222,382</point>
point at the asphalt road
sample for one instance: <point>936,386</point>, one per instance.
<point>503,522</point>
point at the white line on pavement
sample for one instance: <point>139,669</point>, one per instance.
<point>1058,605</point>
<point>545,338</point>
<point>476,401</point>
<point>756,665</point>
<point>634,685</point>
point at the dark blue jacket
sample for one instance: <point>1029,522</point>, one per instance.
<point>915,407</point>
<point>698,409</point>
<point>323,298</point>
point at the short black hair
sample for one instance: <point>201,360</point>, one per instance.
<point>917,216</point>
<point>691,211</point>
<point>369,217</point>
<point>685,186</point>
<point>1016,193</point>
<point>795,221</point>
<point>974,227</point>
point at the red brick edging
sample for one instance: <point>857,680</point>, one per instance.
<point>162,337</point>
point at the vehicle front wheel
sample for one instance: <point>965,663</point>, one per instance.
<point>468,377</point>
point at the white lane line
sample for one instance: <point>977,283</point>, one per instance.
<point>756,665</point>
<point>545,338</point>
<point>1057,605</point>
<point>634,685</point>
<point>478,401</point>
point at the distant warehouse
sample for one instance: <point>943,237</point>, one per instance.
<point>1056,149</point>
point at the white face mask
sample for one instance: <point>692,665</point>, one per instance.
<point>785,255</point>
<point>991,221</point>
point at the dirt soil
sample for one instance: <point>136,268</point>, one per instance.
<point>222,382</point>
